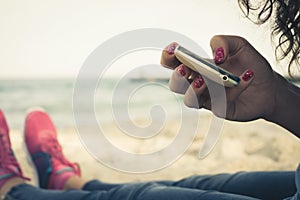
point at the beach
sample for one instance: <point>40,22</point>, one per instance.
<point>253,146</point>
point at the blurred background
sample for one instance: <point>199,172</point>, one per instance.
<point>43,45</point>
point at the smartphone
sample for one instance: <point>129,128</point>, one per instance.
<point>205,67</point>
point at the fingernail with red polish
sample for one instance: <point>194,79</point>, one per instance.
<point>171,48</point>
<point>219,55</point>
<point>248,75</point>
<point>181,70</point>
<point>198,82</point>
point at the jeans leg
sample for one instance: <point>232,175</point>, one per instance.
<point>96,185</point>
<point>128,191</point>
<point>297,180</point>
<point>154,191</point>
<point>29,192</point>
<point>262,185</point>
<point>157,191</point>
<point>132,191</point>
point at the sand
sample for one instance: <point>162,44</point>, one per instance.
<point>251,146</point>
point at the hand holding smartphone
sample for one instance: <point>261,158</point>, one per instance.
<point>205,67</point>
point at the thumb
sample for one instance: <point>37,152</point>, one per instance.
<point>225,45</point>
<point>246,79</point>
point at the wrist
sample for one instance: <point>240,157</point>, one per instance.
<point>286,109</point>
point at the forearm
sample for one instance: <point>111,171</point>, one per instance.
<point>287,108</point>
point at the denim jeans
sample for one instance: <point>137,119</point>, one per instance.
<point>239,186</point>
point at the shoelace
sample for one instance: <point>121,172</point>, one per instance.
<point>8,160</point>
<point>52,147</point>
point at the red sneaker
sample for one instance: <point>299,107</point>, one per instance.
<point>9,166</point>
<point>53,168</point>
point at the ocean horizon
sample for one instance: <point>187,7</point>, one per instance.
<point>56,97</point>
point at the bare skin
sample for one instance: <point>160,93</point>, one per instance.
<point>10,184</point>
<point>74,182</point>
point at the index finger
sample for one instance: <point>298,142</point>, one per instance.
<point>168,58</point>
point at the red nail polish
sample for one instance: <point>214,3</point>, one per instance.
<point>248,75</point>
<point>181,70</point>
<point>219,55</point>
<point>171,48</point>
<point>198,82</point>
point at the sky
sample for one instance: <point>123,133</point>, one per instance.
<point>52,39</point>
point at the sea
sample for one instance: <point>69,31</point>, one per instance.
<point>124,101</point>
<point>130,99</point>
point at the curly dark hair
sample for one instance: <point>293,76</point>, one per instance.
<point>286,25</point>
